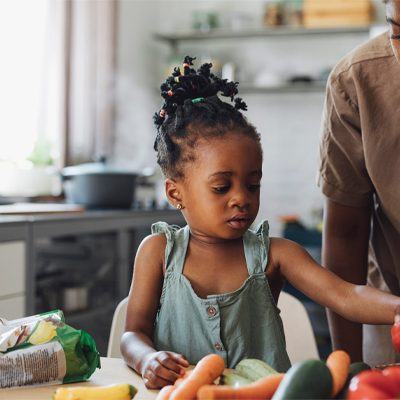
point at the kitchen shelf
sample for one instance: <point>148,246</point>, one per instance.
<point>249,88</point>
<point>217,33</point>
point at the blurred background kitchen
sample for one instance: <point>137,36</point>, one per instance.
<point>79,186</point>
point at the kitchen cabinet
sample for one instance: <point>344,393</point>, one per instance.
<point>13,250</point>
<point>78,262</point>
<point>12,268</point>
<point>12,307</point>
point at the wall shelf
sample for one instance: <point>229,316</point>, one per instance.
<point>249,88</point>
<point>174,37</point>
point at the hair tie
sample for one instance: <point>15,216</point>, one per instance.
<point>197,100</point>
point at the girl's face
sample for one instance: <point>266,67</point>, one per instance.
<point>393,18</point>
<point>221,188</point>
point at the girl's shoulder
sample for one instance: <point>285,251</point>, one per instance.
<point>153,247</point>
<point>279,248</point>
<point>153,242</point>
<point>283,250</point>
<point>279,244</point>
<point>162,240</point>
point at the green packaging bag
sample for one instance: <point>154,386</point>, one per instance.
<point>43,349</point>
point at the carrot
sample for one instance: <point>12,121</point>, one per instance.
<point>187,373</point>
<point>178,382</point>
<point>183,377</point>
<point>165,392</point>
<point>207,370</point>
<point>261,389</point>
<point>338,363</point>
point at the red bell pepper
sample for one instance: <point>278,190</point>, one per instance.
<point>375,385</point>
<point>396,332</point>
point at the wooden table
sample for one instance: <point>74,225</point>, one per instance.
<point>113,370</point>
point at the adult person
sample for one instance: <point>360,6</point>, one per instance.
<point>360,178</point>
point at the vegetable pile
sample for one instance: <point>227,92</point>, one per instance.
<point>253,379</point>
<point>256,380</point>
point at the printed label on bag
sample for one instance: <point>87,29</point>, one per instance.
<point>35,365</point>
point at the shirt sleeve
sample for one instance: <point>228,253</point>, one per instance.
<point>343,176</point>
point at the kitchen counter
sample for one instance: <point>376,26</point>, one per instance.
<point>87,215</point>
<point>31,228</point>
<point>113,371</point>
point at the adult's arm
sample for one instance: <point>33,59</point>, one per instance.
<point>345,182</point>
<point>345,252</point>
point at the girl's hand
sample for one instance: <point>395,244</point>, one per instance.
<point>163,368</point>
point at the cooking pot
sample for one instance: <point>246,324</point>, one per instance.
<point>99,185</point>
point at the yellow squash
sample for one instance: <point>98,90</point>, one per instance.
<point>121,391</point>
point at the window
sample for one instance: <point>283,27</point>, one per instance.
<point>23,44</point>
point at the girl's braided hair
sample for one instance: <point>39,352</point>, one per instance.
<point>192,110</point>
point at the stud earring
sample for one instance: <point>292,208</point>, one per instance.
<point>179,206</point>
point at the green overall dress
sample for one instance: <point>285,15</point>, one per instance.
<point>236,325</point>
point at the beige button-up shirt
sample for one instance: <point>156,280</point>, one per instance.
<point>360,148</point>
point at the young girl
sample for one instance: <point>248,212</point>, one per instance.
<point>213,286</point>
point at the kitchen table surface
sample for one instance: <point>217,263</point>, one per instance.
<point>113,370</point>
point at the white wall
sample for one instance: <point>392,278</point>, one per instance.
<point>289,123</point>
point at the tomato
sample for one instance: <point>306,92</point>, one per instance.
<point>396,336</point>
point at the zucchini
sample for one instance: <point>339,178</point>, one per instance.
<point>354,369</point>
<point>121,391</point>
<point>234,379</point>
<point>309,379</point>
<point>253,369</point>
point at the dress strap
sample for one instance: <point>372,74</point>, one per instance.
<point>169,232</point>
<point>177,241</point>
<point>256,248</point>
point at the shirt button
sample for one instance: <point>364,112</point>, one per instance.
<point>211,311</point>
<point>218,346</point>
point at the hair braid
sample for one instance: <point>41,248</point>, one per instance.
<point>182,121</point>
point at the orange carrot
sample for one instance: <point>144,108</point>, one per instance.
<point>178,382</point>
<point>165,392</point>
<point>187,373</point>
<point>207,370</point>
<point>183,377</point>
<point>261,389</point>
<point>338,363</point>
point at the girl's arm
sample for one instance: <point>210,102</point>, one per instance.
<point>158,368</point>
<point>358,303</point>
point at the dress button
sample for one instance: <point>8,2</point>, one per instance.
<point>211,311</point>
<point>218,346</point>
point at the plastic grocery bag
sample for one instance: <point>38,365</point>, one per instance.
<point>43,349</point>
